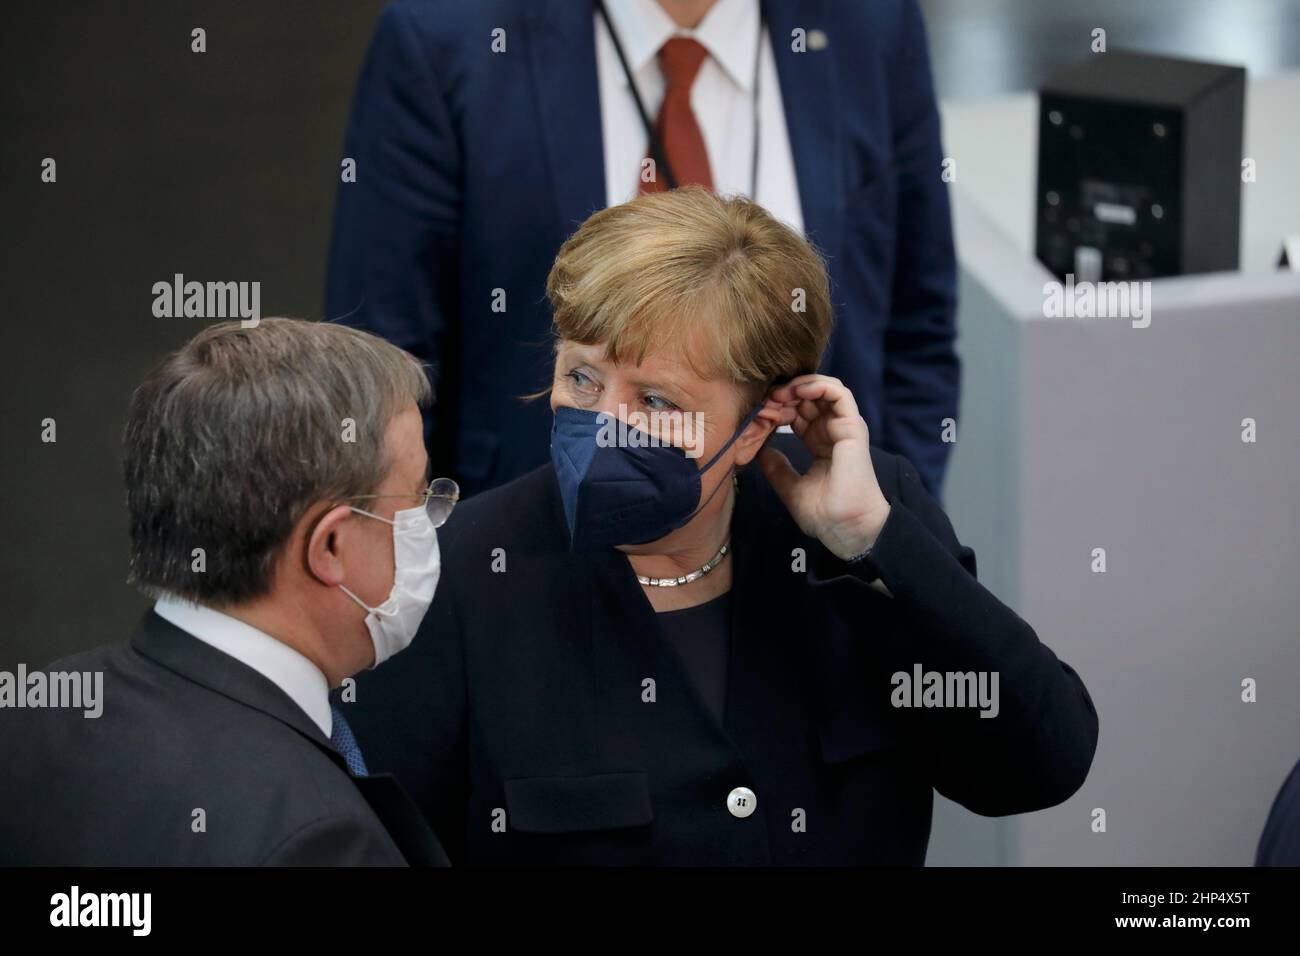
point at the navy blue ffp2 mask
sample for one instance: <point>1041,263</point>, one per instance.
<point>623,493</point>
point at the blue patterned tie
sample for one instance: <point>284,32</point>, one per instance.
<point>343,741</point>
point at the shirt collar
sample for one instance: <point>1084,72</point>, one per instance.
<point>729,31</point>
<point>299,678</point>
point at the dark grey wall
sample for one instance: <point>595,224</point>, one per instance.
<point>219,165</point>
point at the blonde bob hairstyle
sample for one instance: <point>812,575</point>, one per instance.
<point>718,281</point>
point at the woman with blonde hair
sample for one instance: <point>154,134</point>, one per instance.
<point>680,644</point>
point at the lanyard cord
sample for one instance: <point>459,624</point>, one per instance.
<point>656,145</point>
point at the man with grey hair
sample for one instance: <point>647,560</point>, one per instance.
<point>281,515</point>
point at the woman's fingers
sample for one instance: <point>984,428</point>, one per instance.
<point>809,409</point>
<point>824,411</point>
<point>830,391</point>
<point>815,395</point>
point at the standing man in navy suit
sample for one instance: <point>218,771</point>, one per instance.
<point>483,133</point>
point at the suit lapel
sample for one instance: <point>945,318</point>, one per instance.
<point>626,627</point>
<point>764,656</point>
<point>810,95</point>
<point>770,644</point>
<point>562,53</point>
<point>402,819</point>
<point>168,645</point>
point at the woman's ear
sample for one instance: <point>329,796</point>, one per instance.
<point>757,432</point>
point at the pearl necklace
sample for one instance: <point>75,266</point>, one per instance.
<point>709,565</point>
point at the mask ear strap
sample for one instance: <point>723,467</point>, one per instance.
<point>736,434</point>
<point>345,590</point>
<point>740,428</point>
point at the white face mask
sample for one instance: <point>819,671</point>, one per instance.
<point>417,563</point>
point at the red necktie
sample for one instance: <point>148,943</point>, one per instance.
<point>680,59</point>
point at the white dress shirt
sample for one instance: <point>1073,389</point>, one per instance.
<point>279,663</point>
<point>721,98</point>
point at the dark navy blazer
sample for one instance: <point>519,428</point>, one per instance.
<point>184,726</point>
<point>1279,844</point>
<point>474,166</point>
<point>518,718</point>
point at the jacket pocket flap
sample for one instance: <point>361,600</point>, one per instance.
<point>604,801</point>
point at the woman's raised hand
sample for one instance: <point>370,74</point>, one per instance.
<point>838,501</point>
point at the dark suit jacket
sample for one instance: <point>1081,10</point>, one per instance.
<point>473,167</point>
<point>185,726</point>
<point>522,696</point>
<point>1279,844</point>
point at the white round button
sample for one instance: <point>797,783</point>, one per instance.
<point>742,802</point>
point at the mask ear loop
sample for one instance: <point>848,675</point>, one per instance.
<point>344,588</point>
<point>721,451</point>
<point>734,435</point>
<point>371,514</point>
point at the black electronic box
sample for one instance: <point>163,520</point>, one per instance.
<point>1140,168</point>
